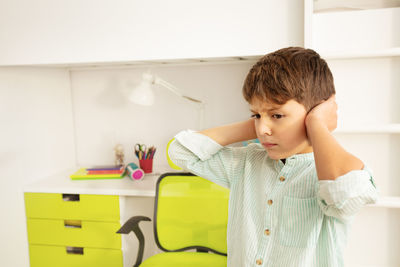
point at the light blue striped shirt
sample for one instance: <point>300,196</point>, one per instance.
<point>279,214</point>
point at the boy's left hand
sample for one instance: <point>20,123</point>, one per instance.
<point>324,113</point>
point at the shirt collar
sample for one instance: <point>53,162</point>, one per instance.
<point>297,159</point>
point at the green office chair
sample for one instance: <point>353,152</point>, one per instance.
<point>190,213</point>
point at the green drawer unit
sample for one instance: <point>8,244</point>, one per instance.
<point>73,230</point>
<point>72,206</point>
<point>74,233</point>
<point>61,256</point>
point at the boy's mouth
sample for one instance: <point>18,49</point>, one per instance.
<point>268,145</point>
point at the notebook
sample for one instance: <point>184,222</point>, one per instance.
<point>83,174</point>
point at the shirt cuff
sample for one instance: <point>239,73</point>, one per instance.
<point>201,145</point>
<point>352,185</point>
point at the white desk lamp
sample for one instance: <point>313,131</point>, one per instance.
<point>143,94</point>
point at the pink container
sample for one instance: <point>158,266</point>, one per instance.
<point>134,172</point>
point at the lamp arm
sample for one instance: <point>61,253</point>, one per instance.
<point>173,89</point>
<point>167,85</point>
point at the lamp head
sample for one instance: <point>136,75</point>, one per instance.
<point>143,93</point>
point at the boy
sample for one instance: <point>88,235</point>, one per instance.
<point>293,196</point>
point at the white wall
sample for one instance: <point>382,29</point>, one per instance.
<point>36,140</point>
<point>105,117</point>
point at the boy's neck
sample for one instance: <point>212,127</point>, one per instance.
<point>283,160</point>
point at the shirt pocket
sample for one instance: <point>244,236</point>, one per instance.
<point>301,222</point>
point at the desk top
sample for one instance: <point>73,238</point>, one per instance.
<point>61,183</point>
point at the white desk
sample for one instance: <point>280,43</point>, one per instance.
<point>135,198</point>
<point>61,183</point>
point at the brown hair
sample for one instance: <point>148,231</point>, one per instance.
<point>290,73</point>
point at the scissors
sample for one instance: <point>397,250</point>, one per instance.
<point>140,150</point>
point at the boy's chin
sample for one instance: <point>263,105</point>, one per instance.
<point>274,156</point>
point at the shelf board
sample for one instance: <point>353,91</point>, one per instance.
<point>373,53</point>
<point>387,202</point>
<point>152,62</point>
<point>350,5</point>
<point>370,129</point>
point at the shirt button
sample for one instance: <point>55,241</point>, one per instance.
<point>282,179</point>
<point>267,232</point>
<point>270,202</point>
<point>259,261</point>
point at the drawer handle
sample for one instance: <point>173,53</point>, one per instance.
<point>74,250</point>
<point>72,224</point>
<point>70,197</point>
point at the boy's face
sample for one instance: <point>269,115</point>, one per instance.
<point>281,125</point>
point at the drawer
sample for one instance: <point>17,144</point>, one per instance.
<point>72,206</point>
<point>74,233</point>
<point>50,256</point>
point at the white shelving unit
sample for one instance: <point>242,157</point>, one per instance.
<point>393,128</point>
<point>360,39</point>
<point>387,202</point>
<point>345,5</point>
<point>366,53</point>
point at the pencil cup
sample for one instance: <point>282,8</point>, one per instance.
<point>146,165</point>
<point>134,172</point>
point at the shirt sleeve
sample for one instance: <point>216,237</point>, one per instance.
<point>201,155</point>
<point>346,195</point>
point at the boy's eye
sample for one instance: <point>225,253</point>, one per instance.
<point>277,116</point>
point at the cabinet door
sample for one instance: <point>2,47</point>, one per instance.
<point>109,31</point>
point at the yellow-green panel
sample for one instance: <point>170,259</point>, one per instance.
<point>192,211</point>
<point>171,164</point>
<point>76,234</point>
<point>51,256</point>
<point>88,207</point>
<point>189,259</point>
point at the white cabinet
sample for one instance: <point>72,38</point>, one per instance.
<point>361,42</point>
<point>71,32</point>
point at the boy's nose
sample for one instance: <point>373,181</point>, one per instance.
<point>265,129</point>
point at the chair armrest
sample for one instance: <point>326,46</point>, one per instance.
<point>133,225</point>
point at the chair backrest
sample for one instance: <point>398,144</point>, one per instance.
<point>190,212</point>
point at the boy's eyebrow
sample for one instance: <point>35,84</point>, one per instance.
<point>270,109</point>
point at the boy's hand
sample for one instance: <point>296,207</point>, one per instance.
<point>324,114</point>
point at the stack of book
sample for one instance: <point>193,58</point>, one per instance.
<point>99,172</point>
